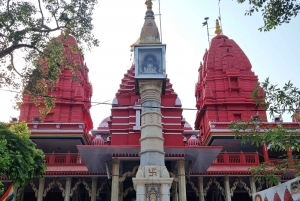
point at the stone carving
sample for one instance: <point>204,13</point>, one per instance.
<point>101,187</point>
<point>151,118</point>
<point>127,174</point>
<point>127,191</point>
<point>85,185</point>
<point>35,190</point>
<point>260,186</point>
<point>50,186</point>
<point>213,181</point>
<point>140,173</point>
<point>152,172</point>
<point>242,184</point>
<point>193,187</point>
<point>175,179</point>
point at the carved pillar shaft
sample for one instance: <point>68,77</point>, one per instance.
<point>152,150</point>
<point>94,188</point>
<point>227,188</point>
<point>41,189</point>
<point>200,186</point>
<point>115,179</point>
<point>68,188</point>
<point>181,180</point>
<point>252,184</point>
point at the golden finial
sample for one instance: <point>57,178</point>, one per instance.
<point>218,28</point>
<point>149,4</point>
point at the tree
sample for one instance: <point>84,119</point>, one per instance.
<point>280,138</point>
<point>19,159</point>
<point>274,13</point>
<point>30,28</point>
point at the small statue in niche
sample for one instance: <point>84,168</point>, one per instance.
<point>152,195</point>
<point>149,68</point>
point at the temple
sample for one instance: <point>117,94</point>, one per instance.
<point>145,150</point>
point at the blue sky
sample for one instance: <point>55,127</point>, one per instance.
<point>118,23</point>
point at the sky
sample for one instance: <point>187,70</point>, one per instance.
<point>117,24</point>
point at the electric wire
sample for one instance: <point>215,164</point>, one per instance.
<point>141,106</point>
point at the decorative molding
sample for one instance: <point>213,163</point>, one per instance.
<point>86,185</point>
<point>175,179</point>
<point>260,186</point>
<point>127,174</point>
<point>101,187</point>
<point>51,184</point>
<point>193,187</point>
<point>127,191</point>
<point>211,181</point>
<point>35,190</point>
<point>240,181</point>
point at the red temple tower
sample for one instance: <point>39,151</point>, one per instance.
<point>72,98</point>
<point>224,87</point>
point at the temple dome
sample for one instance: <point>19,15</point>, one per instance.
<point>193,141</point>
<point>98,140</point>
<point>104,124</point>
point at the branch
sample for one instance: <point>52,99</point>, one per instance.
<point>41,12</point>
<point>12,48</point>
<point>12,64</point>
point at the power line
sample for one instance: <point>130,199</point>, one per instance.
<point>141,106</point>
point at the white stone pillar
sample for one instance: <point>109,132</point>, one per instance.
<point>94,188</point>
<point>227,188</point>
<point>115,179</point>
<point>252,184</point>
<point>200,186</point>
<point>68,188</point>
<point>181,180</point>
<point>41,189</point>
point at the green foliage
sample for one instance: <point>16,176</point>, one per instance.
<point>19,158</point>
<point>277,100</point>
<point>280,138</point>
<point>30,28</point>
<point>274,13</point>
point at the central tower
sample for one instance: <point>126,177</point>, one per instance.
<point>152,182</point>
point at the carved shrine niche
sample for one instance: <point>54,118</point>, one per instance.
<point>150,61</point>
<point>153,192</point>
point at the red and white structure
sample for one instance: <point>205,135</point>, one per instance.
<point>113,161</point>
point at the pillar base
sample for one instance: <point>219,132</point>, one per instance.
<point>156,188</point>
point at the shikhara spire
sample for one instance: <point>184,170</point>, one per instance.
<point>149,33</point>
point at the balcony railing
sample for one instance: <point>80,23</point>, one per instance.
<point>237,159</point>
<point>63,159</point>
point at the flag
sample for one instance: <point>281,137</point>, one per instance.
<point>204,23</point>
<point>132,46</point>
<point>9,194</point>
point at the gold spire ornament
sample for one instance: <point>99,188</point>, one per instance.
<point>149,4</point>
<point>218,28</point>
